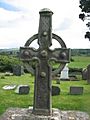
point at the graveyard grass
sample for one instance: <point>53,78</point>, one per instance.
<point>64,101</point>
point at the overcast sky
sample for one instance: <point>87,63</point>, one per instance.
<point>19,20</point>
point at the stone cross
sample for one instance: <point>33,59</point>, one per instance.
<point>43,72</point>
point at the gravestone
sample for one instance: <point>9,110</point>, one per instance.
<point>22,89</point>
<point>18,70</point>
<point>55,90</point>
<point>88,74</point>
<point>64,73</point>
<point>75,90</point>
<point>84,74</point>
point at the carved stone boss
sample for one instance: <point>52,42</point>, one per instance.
<point>42,88</point>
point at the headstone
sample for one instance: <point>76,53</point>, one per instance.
<point>64,73</point>
<point>84,74</point>
<point>18,70</point>
<point>88,74</point>
<point>55,90</point>
<point>75,90</point>
<point>22,89</point>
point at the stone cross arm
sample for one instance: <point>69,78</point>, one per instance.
<point>27,53</point>
<point>60,55</point>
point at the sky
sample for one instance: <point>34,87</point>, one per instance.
<point>19,20</point>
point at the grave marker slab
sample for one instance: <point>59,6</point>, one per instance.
<point>55,90</point>
<point>74,90</point>
<point>22,89</point>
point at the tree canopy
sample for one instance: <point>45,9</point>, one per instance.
<point>85,14</point>
<point>7,63</point>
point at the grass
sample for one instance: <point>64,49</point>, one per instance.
<point>73,102</point>
<point>80,62</point>
<point>10,98</point>
<point>64,101</point>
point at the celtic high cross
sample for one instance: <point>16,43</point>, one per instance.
<point>43,71</point>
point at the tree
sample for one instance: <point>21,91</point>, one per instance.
<point>7,63</point>
<point>85,15</point>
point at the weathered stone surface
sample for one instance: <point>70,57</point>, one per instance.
<point>43,70</point>
<point>55,90</point>
<point>26,114</point>
<point>88,74</point>
<point>74,90</point>
<point>18,70</point>
<point>74,115</point>
<point>84,74</point>
<point>22,89</point>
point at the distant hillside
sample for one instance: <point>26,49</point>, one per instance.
<point>11,51</point>
<point>80,52</point>
<point>74,52</point>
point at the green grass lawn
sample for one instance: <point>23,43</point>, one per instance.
<point>64,101</point>
<point>10,98</point>
<point>80,62</point>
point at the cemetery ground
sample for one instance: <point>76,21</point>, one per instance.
<point>64,101</point>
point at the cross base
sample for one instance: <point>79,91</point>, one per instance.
<point>42,112</point>
<point>26,114</point>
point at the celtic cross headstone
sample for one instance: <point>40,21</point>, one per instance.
<point>43,71</point>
